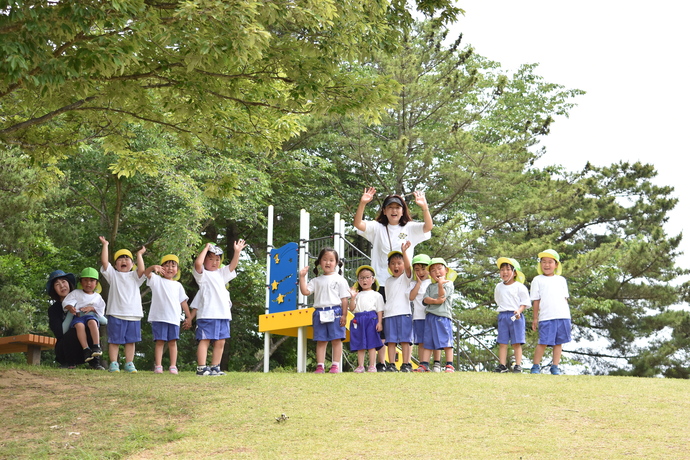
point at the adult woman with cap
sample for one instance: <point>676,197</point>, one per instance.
<point>68,350</point>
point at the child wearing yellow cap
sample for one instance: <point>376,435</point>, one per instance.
<point>168,299</point>
<point>124,304</point>
<point>512,298</point>
<point>549,294</point>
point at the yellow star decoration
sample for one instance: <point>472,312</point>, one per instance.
<point>276,258</point>
<point>274,285</point>
<point>280,298</point>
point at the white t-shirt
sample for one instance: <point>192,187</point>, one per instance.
<point>509,297</point>
<point>378,234</point>
<point>418,308</point>
<point>124,297</point>
<point>397,296</point>
<point>552,293</point>
<point>328,290</point>
<point>368,301</point>
<point>166,299</point>
<point>80,299</point>
<point>213,299</point>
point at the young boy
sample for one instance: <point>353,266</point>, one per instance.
<point>124,304</point>
<point>512,299</point>
<point>168,299</point>
<point>397,312</point>
<point>212,304</point>
<point>86,305</point>
<point>438,327</point>
<point>549,294</point>
<point>416,293</point>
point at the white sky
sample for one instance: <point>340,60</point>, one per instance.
<point>631,57</point>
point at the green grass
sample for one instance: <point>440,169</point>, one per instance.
<point>461,415</point>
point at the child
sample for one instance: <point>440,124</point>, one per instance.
<point>551,316</point>
<point>367,305</point>
<point>416,292</point>
<point>86,305</point>
<point>512,299</point>
<point>397,311</point>
<point>212,305</point>
<point>331,294</point>
<point>124,304</point>
<point>438,328</point>
<point>168,299</point>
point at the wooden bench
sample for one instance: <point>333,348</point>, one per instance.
<point>31,344</point>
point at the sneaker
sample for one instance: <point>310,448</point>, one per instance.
<point>203,371</point>
<point>129,367</point>
<point>391,368</point>
<point>173,370</point>
<point>437,367</point>
<point>157,369</point>
<point>501,368</point>
<point>536,369</point>
<point>88,355</point>
<point>422,368</point>
<point>360,370</point>
<point>335,369</point>
<point>97,367</point>
<point>449,368</point>
<point>320,369</point>
<point>380,367</point>
<point>372,368</point>
<point>96,351</point>
<point>215,371</point>
<point>555,370</point>
<point>114,367</point>
<point>406,367</point>
<point>517,369</point>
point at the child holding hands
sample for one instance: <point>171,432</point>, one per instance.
<point>212,305</point>
<point>124,304</point>
<point>367,305</point>
<point>168,299</point>
<point>331,294</point>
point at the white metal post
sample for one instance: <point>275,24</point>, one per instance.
<point>269,247</point>
<point>303,261</point>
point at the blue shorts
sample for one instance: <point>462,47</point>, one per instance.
<point>510,331</point>
<point>438,332</point>
<point>325,332</point>
<point>418,331</point>
<point>554,332</point>
<point>122,331</point>
<point>212,329</point>
<point>83,320</point>
<point>398,329</point>
<point>165,331</point>
<point>363,333</point>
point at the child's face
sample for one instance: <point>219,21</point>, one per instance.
<point>507,274</point>
<point>438,272</point>
<point>365,279</point>
<point>548,265</point>
<point>211,262</point>
<point>169,269</point>
<point>123,264</point>
<point>61,287</point>
<point>88,285</point>
<point>420,271</point>
<point>328,263</point>
<point>396,266</point>
<point>393,212</point>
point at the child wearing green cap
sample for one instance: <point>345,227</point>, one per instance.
<point>86,305</point>
<point>416,293</point>
<point>549,294</point>
<point>124,304</point>
<point>512,298</point>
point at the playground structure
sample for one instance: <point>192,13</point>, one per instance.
<point>287,312</point>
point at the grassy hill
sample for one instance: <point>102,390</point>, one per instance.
<point>57,413</point>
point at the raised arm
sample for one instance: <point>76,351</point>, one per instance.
<point>238,246</point>
<point>367,196</point>
<point>151,269</point>
<point>406,258</point>
<point>104,253</point>
<point>420,199</point>
<point>199,262</point>
<point>141,268</point>
<point>303,280</point>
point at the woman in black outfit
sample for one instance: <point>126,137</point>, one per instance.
<point>68,350</point>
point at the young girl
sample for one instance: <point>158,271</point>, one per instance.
<point>168,299</point>
<point>438,331</point>
<point>367,305</point>
<point>86,305</point>
<point>331,294</point>
<point>416,292</point>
